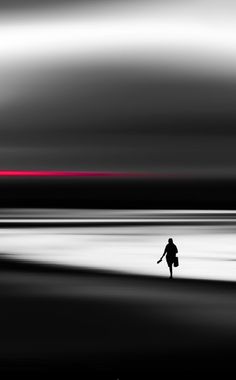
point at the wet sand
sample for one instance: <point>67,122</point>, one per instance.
<point>111,325</point>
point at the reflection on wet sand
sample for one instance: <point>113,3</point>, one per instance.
<point>124,241</point>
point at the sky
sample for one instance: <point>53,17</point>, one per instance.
<point>118,86</point>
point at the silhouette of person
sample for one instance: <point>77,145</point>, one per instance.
<point>170,252</point>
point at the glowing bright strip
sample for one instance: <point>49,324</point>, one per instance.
<point>155,36</point>
<point>107,220</point>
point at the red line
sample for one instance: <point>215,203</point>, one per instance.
<point>86,174</point>
<point>54,173</point>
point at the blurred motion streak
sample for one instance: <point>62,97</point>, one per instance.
<point>117,133</point>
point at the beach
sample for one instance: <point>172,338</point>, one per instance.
<point>81,293</point>
<point>55,319</point>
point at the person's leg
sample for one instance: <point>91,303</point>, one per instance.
<point>171,271</point>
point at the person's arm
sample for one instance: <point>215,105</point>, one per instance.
<point>162,256</point>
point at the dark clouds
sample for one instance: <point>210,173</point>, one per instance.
<point>121,119</point>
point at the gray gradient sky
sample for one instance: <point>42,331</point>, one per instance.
<point>118,86</point>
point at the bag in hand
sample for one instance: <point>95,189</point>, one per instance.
<point>176,262</point>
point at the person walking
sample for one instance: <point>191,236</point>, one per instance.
<point>171,259</point>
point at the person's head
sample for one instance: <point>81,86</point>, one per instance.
<point>170,241</point>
